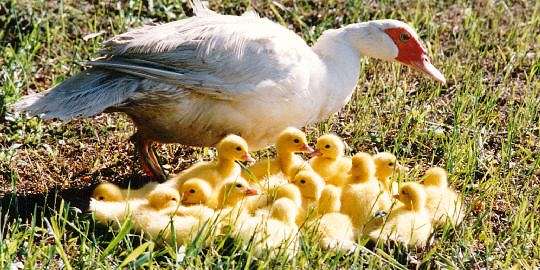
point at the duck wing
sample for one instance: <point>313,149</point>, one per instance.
<point>216,55</point>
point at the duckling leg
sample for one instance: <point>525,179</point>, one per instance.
<point>148,159</point>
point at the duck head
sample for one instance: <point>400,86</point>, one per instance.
<point>195,191</point>
<point>329,146</point>
<point>392,40</point>
<point>234,147</point>
<point>233,192</point>
<point>412,195</point>
<point>386,165</point>
<point>163,197</point>
<point>293,140</point>
<point>310,184</point>
<point>108,192</point>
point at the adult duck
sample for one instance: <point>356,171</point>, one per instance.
<point>195,80</point>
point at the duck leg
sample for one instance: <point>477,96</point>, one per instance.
<point>148,159</point>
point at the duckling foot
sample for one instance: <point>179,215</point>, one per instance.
<point>148,159</point>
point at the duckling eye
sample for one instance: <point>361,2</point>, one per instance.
<point>327,146</point>
<point>296,141</point>
<point>238,148</point>
<point>173,199</point>
<point>101,198</point>
<point>238,185</point>
<point>191,191</point>
<point>302,181</point>
<point>391,164</point>
<point>404,37</point>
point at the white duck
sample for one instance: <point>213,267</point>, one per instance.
<point>195,80</point>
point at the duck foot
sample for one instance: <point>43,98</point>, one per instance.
<point>148,159</point>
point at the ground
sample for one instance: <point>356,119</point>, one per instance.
<point>482,126</point>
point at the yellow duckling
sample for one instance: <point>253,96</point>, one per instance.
<point>113,193</point>
<point>196,191</point>
<point>232,193</point>
<point>110,204</point>
<point>289,142</point>
<point>261,205</point>
<point>443,202</point>
<point>277,233</point>
<point>334,229</point>
<point>113,212</point>
<point>329,160</point>
<point>408,223</point>
<point>311,186</point>
<point>163,212</point>
<point>230,149</point>
<point>364,197</point>
<point>154,216</point>
<point>387,165</point>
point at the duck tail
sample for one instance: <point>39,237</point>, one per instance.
<point>86,94</point>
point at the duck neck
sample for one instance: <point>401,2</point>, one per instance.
<point>225,166</point>
<point>285,159</point>
<point>339,51</point>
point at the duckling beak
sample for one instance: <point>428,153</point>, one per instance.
<point>247,157</point>
<point>251,192</point>
<point>307,149</point>
<point>396,197</point>
<point>316,153</point>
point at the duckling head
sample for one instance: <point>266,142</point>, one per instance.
<point>386,165</point>
<point>329,146</point>
<point>284,210</point>
<point>162,197</point>
<point>108,192</point>
<point>195,191</point>
<point>412,195</point>
<point>293,140</point>
<point>363,167</point>
<point>310,184</point>
<point>234,148</point>
<point>330,200</point>
<point>233,192</point>
<point>437,177</point>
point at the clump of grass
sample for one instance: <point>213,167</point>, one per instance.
<point>483,126</point>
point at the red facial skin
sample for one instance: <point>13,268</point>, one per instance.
<point>409,49</point>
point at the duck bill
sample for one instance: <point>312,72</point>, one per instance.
<point>247,157</point>
<point>251,192</point>
<point>424,65</point>
<point>307,149</point>
<point>316,153</point>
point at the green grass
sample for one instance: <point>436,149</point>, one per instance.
<point>483,126</point>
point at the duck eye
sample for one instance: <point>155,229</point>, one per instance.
<point>303,181</point>
<point>327,146</point>
<point>391,164</point>
<point>191,191</point>
<point>100,198</point>
<point>174,199</point>
<point>404,37</point>
<point>238,185</point>
<point>296,140</point>
<point>238,148</point>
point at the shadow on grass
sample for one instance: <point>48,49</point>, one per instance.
<point>23,206</point>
